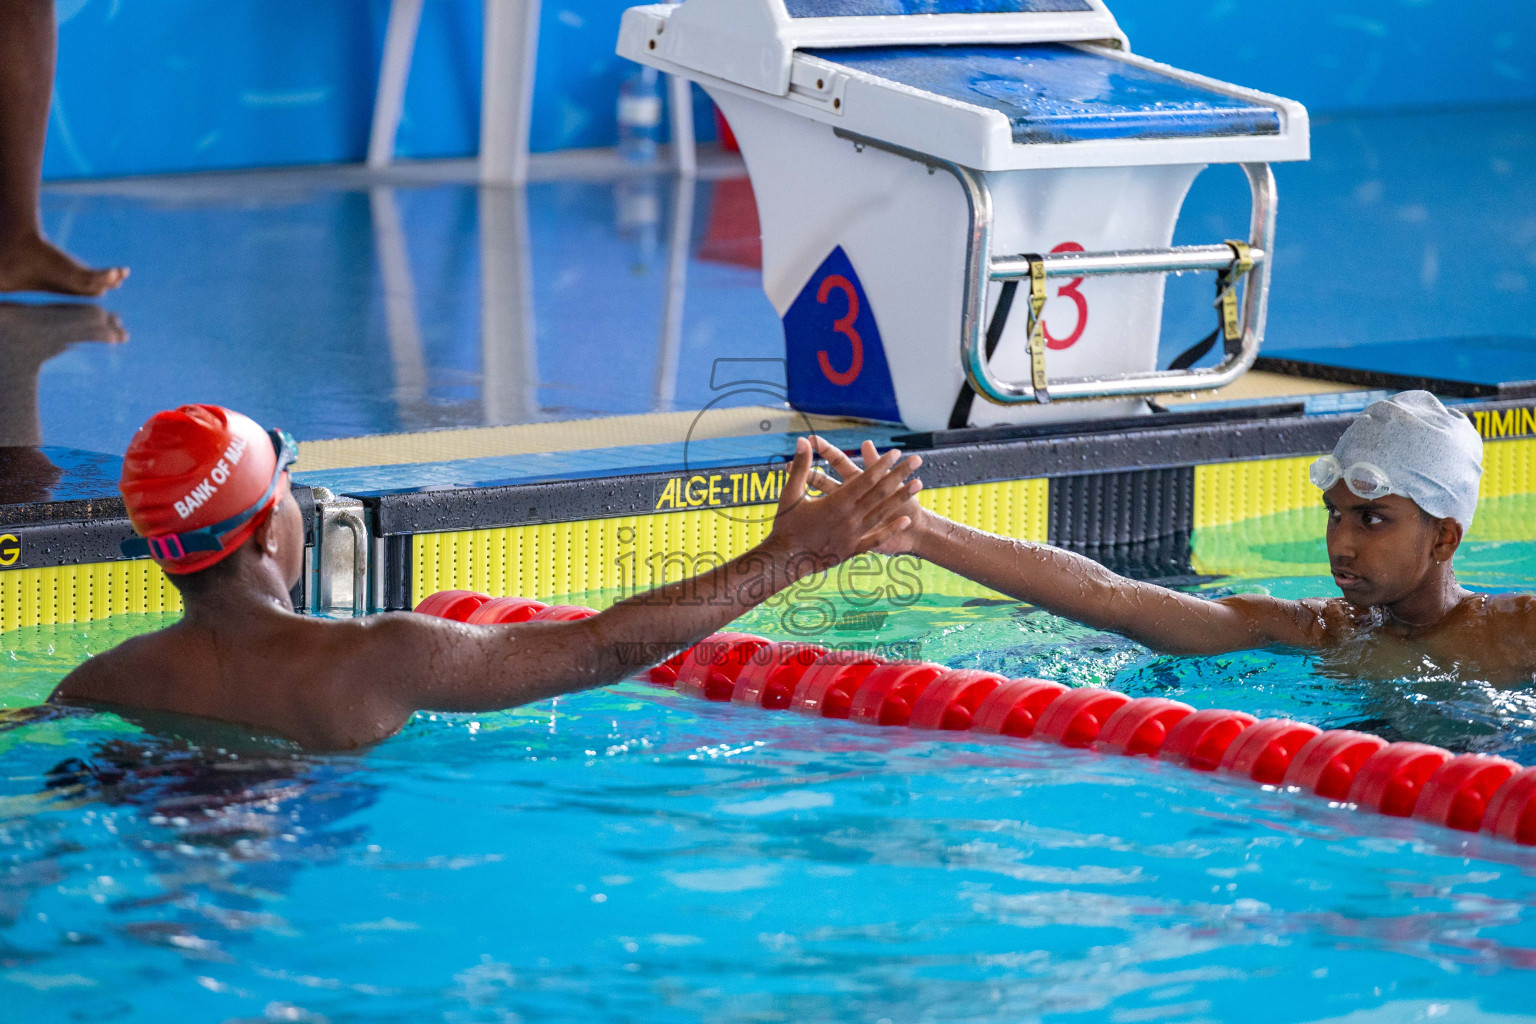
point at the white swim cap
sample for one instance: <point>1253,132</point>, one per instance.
<point>1410,445</point>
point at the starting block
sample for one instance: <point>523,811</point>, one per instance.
<point>969,199</point>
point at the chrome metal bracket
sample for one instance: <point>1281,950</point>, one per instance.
<point>341,574</point>
<point>982,269</point>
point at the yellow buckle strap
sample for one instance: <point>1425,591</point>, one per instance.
<point>1226,300</point>
<point>1037,329</point>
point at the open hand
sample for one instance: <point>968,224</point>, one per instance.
<point>898,541</point>
<point>858,514</point>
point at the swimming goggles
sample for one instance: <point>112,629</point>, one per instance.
<point>1365,480</point>
<point>170,546</point>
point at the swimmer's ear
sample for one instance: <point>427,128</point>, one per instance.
<point>1447,539</point>
<point>266,536</point>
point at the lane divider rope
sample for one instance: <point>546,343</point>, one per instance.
<point>1469,792</point>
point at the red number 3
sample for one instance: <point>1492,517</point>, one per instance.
<point>845,328</point>
<point>1070,290</point>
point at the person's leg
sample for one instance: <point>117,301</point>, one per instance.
<point>28,261</point>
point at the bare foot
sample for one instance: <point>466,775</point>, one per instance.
<point>35,264</point>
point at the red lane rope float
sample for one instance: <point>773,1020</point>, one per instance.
<point>1201,740</point>
<point>1472,792</point>
<point>887,694</point>
<point>1326,766</point>
<point>710,669</point>
<point>1013,708</point>
<point>769,680</point>
<point>505,609</point>
<point>951,701</point>
<point>1076,719</point>
<point>665,674</point>
<point>1141,727</point>
<point>1512,811</point>
<point>457,605</point>
<point>563,613</point>
<point>826,689</point>
<point>1457,795</point>
<point>1390,780</point>
<point>1264,752</point>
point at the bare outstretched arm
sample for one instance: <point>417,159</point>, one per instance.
<point>455,667</point>
<point>1081,589</point>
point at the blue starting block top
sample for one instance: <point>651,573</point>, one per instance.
<point>1490,366</point>
<point>898,8</point>
<point>1054,93</point>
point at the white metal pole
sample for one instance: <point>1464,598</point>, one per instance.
<point>678,251</point>
<point>506,93</point>
<point>394,71</point>
<point>684,147</point>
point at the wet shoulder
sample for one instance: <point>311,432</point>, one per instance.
<point>400,646</point>
<point>359,656</point>
<point>116,675</point>
<point>1504,609</point>
<point>1337,618</point>
<point>348,685</point>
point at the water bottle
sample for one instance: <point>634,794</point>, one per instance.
<point>637,208</point>
<point>640,116</point>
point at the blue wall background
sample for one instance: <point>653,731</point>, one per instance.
<point>153,86</point>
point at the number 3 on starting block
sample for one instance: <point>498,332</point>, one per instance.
<point>845,327</point>
<point>836,361</point>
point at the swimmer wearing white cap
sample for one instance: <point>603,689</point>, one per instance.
<point>1400,488</point>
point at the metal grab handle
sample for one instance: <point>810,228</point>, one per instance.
<point>332,512</point>
<point>359,530</point>
<point>1176,260</point>
<point>981,269</point>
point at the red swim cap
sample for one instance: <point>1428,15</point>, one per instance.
<point>194,467</point>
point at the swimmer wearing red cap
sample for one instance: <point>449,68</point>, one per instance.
<point>1400,488</point>
<point>208,494</point>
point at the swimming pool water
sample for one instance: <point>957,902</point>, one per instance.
<point>628,854</point>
